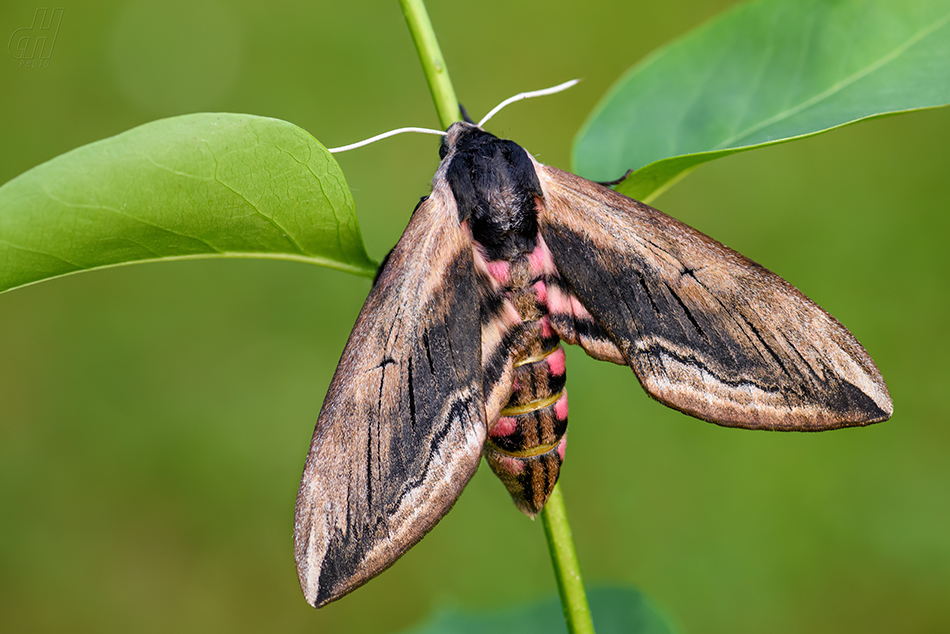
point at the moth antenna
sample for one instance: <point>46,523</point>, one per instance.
<point>527,95</point>
<point>379,137</point>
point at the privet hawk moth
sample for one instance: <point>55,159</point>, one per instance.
<point>457,351</point>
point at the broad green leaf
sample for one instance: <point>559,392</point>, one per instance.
<point>615,611</point>
<point>201,185</point>
<point>764,73</point>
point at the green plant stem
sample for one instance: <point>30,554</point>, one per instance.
<point>554,515</point>
<point>566,568</point>
<point>433,65</point>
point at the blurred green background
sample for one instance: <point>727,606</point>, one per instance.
<point>154,418</point>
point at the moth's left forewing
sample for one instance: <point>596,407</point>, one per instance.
<point>706,330</point>
<point>403,424</point>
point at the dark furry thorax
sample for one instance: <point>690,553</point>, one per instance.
<point>495,188</point>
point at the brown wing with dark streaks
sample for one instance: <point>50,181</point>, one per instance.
<point>706,330</point>
<point>403,425</point>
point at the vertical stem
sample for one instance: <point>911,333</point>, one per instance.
<point>566,568</point>
<point>436,72</point>
<point>554,515</point>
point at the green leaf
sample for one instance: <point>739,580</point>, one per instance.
<point>201,185</point>
<point>764,73</point>
<point>615,611</point>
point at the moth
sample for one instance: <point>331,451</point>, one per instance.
<point>457,352</point>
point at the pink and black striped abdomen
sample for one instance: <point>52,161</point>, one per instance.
<point>525,445</point>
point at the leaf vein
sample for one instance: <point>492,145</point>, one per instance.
<point>37,251</point>
<point>838,86</point>
<point>126,214</point>
<point>283,232</point>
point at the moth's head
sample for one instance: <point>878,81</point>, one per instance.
<point>462,132</point>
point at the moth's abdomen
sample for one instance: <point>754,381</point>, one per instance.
<point>536,414</point>
<point>525,445</point>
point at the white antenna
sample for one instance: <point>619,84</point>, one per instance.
<point>494,111</point>
<point>379,137</point>
<point>527,95</point>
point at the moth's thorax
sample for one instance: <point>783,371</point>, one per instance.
<point>495,188</point>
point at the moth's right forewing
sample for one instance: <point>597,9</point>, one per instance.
<point>403,424</point>
<point>707,331</point>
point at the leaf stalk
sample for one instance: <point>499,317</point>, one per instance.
<point>433,64</point>
<point>567,569</point>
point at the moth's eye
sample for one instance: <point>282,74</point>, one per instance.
<point>444,148</point>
